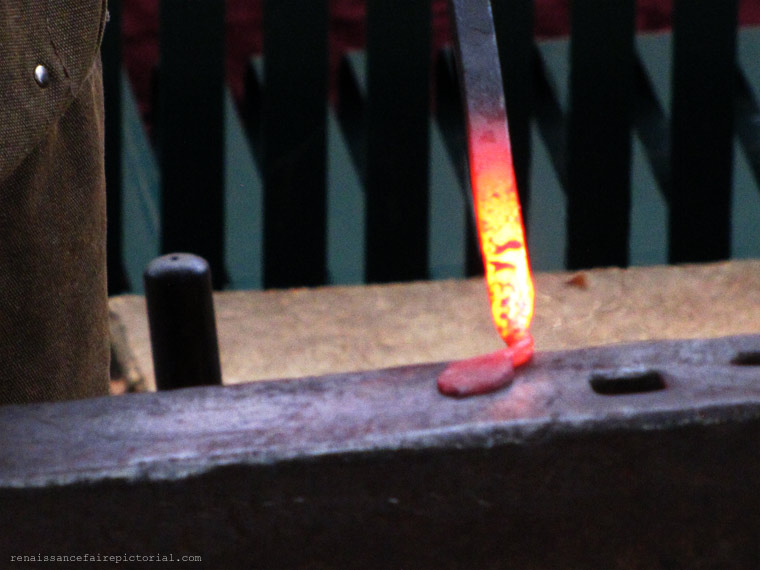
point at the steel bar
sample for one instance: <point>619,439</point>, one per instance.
<point>479,71</point>
<point>378,470</point>
<point>492,177</point>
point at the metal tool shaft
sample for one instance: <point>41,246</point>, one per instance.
<point>479,69</point>
<point>492,175</point>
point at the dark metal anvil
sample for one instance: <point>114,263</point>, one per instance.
<point>629,456</point>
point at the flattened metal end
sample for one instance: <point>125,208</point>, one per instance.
<point>479,375</point>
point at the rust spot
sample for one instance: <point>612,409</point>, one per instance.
<point>579,280</point>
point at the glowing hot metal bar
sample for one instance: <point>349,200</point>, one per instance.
<point>497,206</point>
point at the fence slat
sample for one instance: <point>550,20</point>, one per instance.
<point>599,132</point>
<point>704,56</point>
<point>396,175</point>
<point>294,142</point>
<point>191,130</point>
<point>449,115</point>
<point>513,20</point>
<point>112,77</point>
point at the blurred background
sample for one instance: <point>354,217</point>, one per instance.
<point>304,143</point>
<point>243,24</point>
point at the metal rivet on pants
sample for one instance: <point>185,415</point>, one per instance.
<point>42,76</point>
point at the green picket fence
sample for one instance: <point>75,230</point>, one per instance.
<point>629,149</point>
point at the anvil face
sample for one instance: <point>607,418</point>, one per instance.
<point>627,456</point>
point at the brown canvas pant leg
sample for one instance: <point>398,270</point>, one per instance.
<point>53,297</point>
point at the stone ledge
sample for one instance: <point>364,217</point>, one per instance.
<point>306,332</point>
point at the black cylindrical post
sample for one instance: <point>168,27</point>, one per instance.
<point>182,324</point>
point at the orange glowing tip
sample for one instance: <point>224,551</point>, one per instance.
<point>502,237</point>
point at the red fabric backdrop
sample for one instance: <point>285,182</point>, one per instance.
<point>243,21</point>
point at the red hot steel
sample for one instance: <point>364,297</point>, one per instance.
<point>497,206</point>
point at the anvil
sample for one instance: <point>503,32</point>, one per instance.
<point>626,456</point>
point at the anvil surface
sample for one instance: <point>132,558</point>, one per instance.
<point>378,470</point>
